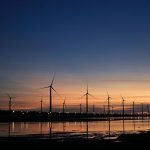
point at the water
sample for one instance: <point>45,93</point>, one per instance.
<point>63,129</point>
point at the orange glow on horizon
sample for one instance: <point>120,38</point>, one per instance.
<point>71,86</point>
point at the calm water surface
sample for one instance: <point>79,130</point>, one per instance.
<point>65,128</point>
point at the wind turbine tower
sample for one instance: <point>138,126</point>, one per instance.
<point>41,105</point>
<point>64,105</point>
<point>108,99</point>
<point>10,102</point>
<point>50,93</point>
<point>122,106</point>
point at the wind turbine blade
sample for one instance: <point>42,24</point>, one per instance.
<point>82,96</point>
<point>45,87</point>
<point>91,95</point>
<point>64,100</point>
<point>8,95</point>
<point>41,98</point>
<point>107,93</point>
<point>54,89</point>
<point>53,79</point>
<point>87,88</point>
<point>122,98</point>
<point>13,97</point>
<point>56,92</point>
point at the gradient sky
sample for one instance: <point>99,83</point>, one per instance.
<point>103,43</point>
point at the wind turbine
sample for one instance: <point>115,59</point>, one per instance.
<point>64,103</point>
<point>80,108</point>
<point>148,109</point>
<point>41,105</point>
<point>50,93</point>
<point>86,95</point>
<point>133,109</point>
<point>123,112</point>
<point>93,108</point>
<point>10,102</point>
<point>108,99</point>
<point>142,111</point>
<point>122,106</point>
<point>86,98</point>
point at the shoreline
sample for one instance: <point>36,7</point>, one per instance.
<point>134,139</point>
<point>66,120</point>
<point>55,117</point>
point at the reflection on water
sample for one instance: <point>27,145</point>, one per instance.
<point>109,127</point>
<point>87,128</point>
<point>50,129</point>
<point>123,126</point>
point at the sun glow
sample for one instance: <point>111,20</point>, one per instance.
<point>28,91</point>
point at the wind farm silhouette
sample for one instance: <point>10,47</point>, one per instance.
<point>86,111</point>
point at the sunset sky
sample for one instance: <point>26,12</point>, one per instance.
<point>105,43</point>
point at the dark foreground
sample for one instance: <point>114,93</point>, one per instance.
<point>123,141</point>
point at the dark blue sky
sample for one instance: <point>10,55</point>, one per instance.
<point>74,36</point>
<point>105,39</point>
